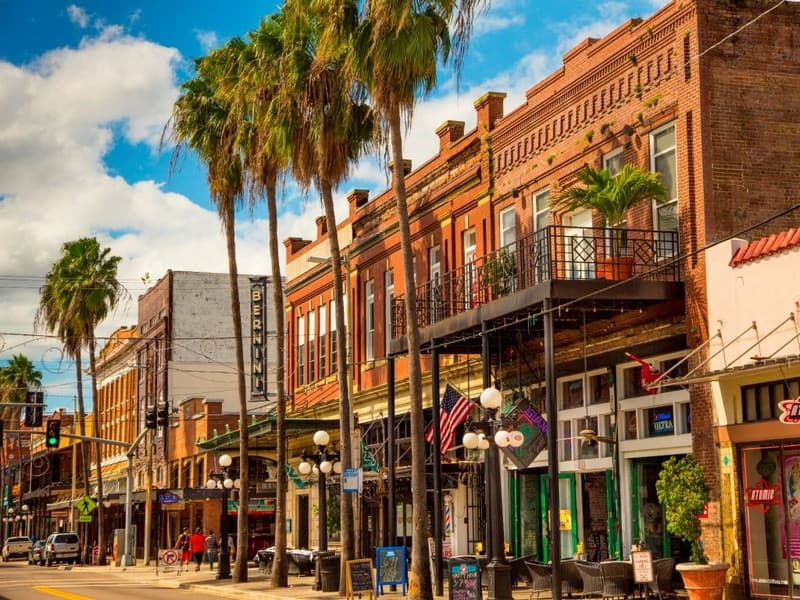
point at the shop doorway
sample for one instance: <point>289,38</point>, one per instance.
<point>568,515</point>
<point>302,521</point>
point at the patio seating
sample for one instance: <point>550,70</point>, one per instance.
<point>519,570</point>
<point>591,578</point>
<point>661,585</point>
<point>541,577</point>
<point>571,582</point>
<point>299,563</point>
<point>617,578</point>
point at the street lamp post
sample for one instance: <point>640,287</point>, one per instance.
<point>324,463</point>
<point>498,570</point>
<point>226,481</point>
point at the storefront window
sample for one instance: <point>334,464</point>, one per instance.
<point>772,474</point>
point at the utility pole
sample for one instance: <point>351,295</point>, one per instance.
<point>148,499</point>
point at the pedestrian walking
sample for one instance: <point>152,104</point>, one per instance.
<point>198,546</point>
<point>183,545</point>
<point>212,548</point>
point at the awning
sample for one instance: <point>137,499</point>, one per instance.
<point>262,433</point>
<point>62,501</point>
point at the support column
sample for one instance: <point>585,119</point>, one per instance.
<point>552,447</point>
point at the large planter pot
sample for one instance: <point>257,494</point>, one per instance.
<point>703,582</point>
<point>616,268</point>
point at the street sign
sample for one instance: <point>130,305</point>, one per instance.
<point>351,480</point>
<point>85,506</point>
<point>85,519</point>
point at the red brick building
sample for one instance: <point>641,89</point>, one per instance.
<point>701,92</point>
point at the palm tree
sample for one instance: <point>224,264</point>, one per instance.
<point>248,83</point>
<point>16,378</point>
<point>86,291</point>
<point>396,51</point>
<point>612,196</point>
<point>200,121</point>
<point>320,110</point>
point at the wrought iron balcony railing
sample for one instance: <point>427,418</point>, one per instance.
<point>554,253</point>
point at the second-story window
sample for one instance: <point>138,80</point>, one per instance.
<point>663,160</point>
<point>470,268</point>
<point>301,350</point>
<point>312,364</point>
<point>613,161</point>
<point>388,278</point>
<point>508,227</point>
<point>434,282</point>
<point>369,325</point>
<point>541,210</point>
<point>323,324</point>
<point>334,341</point>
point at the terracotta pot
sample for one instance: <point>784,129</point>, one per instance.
<point>615,267</point>
<point>703,582</point>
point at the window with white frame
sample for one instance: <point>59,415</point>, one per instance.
<point>470,269</point>
<point>541,220</point>
<point>613,161</point>
<point>301,350</point>
<point>369,325</point>
<point>312,373</point>
<point>663,160</point>
<point>334,341</point>
<point>508,226</point>
<point>323,328</point>
<point>541,210</point>
<point>388,278</point>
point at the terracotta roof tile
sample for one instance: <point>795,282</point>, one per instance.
<point>776,242</point>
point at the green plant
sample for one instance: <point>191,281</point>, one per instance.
<point>612,196</point>
<point>637,89</point>
<point>640,118</point>
<point>632,58</point>
<point>550,159</point>
<point>652,102</point>
<point>589,135</point>
<point>499,272</point>
<point>605,128</point>
<point>683,492</point>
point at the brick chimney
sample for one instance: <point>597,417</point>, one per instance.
<point>449,132</point>
<point>294,245</point>
<point>356,199</point>
<point>489,109</point>
<point>406,168</point>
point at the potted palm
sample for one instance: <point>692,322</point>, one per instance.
<point>612,196</point>
<point>683,493</point>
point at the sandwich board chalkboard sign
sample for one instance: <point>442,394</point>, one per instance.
<point>358,577</point>
<point>390,564</point>
<point>465,578</point>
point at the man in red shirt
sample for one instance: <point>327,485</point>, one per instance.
<point>198,546</point>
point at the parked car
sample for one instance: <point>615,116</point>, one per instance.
<point>35,554</point>
<point>16,546</point>
<point>61,547</point>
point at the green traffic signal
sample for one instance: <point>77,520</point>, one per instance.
<point>53,433</point>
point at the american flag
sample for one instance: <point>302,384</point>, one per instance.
<point>453,409</point>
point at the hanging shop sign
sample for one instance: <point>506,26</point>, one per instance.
<point>258,339</point>
<point>525,419</point>
<point>790,411</point>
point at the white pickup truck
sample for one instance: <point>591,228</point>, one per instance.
<point>16,547</point>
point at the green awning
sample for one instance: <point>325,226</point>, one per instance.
<point>262,433</point>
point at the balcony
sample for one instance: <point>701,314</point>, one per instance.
<point>559,262</point>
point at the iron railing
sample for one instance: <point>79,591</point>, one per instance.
<point>554,253</point>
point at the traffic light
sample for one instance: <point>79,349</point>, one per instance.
<point>53,433</point>
<point>33,410</point>
<point>163,414</point>
<point>150,417</point>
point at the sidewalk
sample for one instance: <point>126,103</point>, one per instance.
<point>258,587</point>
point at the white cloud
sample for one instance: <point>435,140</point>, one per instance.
<point>78,15</point>
<point>207,40</point>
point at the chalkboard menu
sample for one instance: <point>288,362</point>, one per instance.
<point>390,564</point>
<point>358,576</point>
<point>465,578</point>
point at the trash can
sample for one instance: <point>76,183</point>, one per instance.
<point>329,564</point>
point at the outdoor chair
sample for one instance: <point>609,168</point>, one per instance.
<point>571,582</point>
<point>519,571</point>
<point>541,577</point>
<point>299,564</point>
<point>591,578</point>
<point>661,585</point>
<point>265,560</point>
<point>617,578</point>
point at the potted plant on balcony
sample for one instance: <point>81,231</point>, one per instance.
<point>612,196</point>
<point>683,493</point>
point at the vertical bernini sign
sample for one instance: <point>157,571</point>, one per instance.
<point>258,339</point>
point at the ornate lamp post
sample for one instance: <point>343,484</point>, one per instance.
<point>226,480</point>
<point>324,463</point>
<point>498,570</point>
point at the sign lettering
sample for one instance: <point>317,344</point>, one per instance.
<point>258,348</point>
<point>763,495</point>
<point>790,411</point>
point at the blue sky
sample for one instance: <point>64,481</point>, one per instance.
<point>85,92</point>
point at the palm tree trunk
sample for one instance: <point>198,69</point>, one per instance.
<point>280,566</point>
<point>346,520</point>
<point>98,453</point>
<point>420,576</point>
<point>240,568</point>
<point>81,417</point>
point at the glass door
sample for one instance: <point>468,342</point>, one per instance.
<point>567,515</point>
